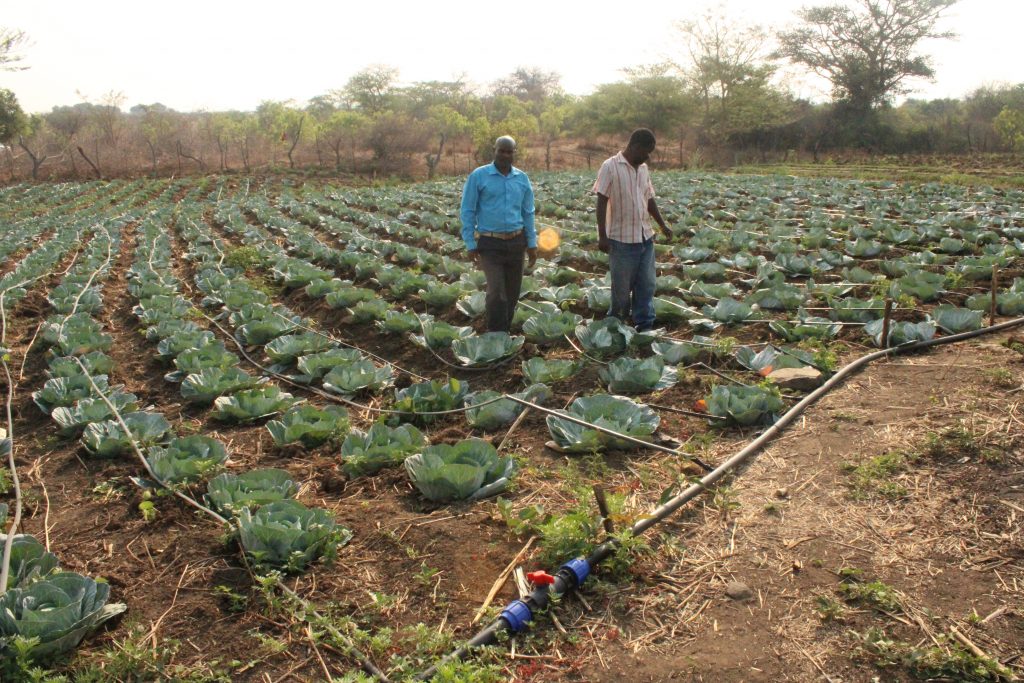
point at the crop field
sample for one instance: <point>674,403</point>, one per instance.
<point>261,436</point>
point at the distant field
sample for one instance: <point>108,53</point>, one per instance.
<point>237,324</point>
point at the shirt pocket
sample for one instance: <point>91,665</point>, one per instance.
<point>514,195</point>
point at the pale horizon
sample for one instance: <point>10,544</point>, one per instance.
<point>218,56</point>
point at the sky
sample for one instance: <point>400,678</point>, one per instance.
<point>222,54</point>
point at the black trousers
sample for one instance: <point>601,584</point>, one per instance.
<point>502,263</point>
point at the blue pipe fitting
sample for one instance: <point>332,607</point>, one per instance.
<point>579,568</point>
<point>517,614</point>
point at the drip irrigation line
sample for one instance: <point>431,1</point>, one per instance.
<point>15,481</point>
<point>572,574</point>
<point>364,661</point>
<point>610,432</point>
<point>334,397</point>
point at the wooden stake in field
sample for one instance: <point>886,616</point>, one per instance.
<point>886,321</point>
<point>992,306</point>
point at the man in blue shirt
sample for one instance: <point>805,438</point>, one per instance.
<point>497,227</point>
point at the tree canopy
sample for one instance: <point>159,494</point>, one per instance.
<point>867,53</point>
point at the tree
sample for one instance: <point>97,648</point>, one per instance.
<point>12,118</point>
<point>10,40</point>
<point>156,128</point>
<point>446,123</point>
<point>530,84</point>
<point>552,127</point>
<point>282,123</point>
<point>867,55</point>
<point>344,128</point>
<point>372,89</point>
<point>1010,126</point>
<point>37,143</point>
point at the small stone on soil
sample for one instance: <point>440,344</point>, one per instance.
<point>737,590</point>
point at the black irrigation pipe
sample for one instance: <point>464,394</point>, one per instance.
<point>571,575</point>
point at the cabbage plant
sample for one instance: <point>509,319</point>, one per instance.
<point>348,297</point>
<point>107,439</point>
<point>678,352</point>
<point>196,360</point>
<point>433,396</point>
<point>399,322</point>
<point>286,535</point>
<point>953,320</point>
<point>59,610</point>
<point>96,363</point>
<point>381,446</point>
<point>437,334</point>
<point>287,348</point>
<point>771,358</point>
<point>900,332</point>
<point>473,305</point>
<point>205,386</point>
<point>503,411</point>
<point>316,365</point>
<point>616,413</point>
<point>547,328</point>
<point>638,376</point>
<point>259,332</point>
<point>538,370</point>
<point>369,311</point>
<point>605,337</point>
<point>87,410</point>
<point>349,379</point>
<point>29,560</point>
<point>490,347</point>
<point>230,493</point>
<point>180,341</point>
<point>471,469</point>
<point>309,425</point>
<point>745,405</point>
<point>65,391</point>
<point>252,404</point>
<point>187,459</point>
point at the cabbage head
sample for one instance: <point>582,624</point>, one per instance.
<point>638,376</point>
<point>59,609</point>
<point>471,469</point>
<point>616,413</point>
<point>538,370</point>
<point>382,446</point>
<point>187,459</point>
<point>249,405</point>
<point>309,425</point>
<point>29,560</point>
<point>484,349</point>
<point>106,439</point>
<point>502,412</point>
<point>745,405</point>
<point>230,493</point>
<point>286,535</point>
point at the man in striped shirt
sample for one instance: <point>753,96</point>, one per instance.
<point>625,204</point>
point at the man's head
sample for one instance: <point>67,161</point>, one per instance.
<point>504,153</point>
<point>638,149</point>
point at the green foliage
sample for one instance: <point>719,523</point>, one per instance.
<point>537,370</point>
<point>187,459</point>
<point>877,476</point>
<point>229,493</point>
<point>745,405</point>
<point>638,376</point>
<point>59,609</point>
<point>471,469</point>
<point>950,661</point>
<point>287,535</point>
<point>107,439</point>
<point>616,413</point>
<point>434,396</point>
<point>382,446</point>
<point>504,411</point>
<point>309,425</point>
<point>249,405</point>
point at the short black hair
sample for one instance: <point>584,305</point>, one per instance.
<point>642,137</point>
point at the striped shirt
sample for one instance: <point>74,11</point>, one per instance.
<point>628,190</point>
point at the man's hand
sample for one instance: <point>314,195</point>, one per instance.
<point>475,255</point>
<point>531,257</point>
<point>604,244</point>
<point>667,232</point>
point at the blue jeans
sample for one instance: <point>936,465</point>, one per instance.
<point>631,266</point>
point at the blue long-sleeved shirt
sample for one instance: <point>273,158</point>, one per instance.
<point>492,202</point>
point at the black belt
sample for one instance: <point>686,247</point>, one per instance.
<point>509,235</point>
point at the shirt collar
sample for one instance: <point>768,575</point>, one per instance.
<point>621,158</point>
<point>494,170</point>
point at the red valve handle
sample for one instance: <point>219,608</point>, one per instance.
<point>540,578</point>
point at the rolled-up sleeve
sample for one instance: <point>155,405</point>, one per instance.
<point>468,211</point>
<point>529,229</point>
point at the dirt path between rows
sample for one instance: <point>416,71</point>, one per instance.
<point>936,518</point>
